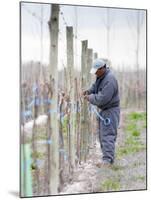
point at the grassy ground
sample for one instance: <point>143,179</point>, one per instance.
<point>128,172</point>
<point>135,123</point>
<point>129,169</point>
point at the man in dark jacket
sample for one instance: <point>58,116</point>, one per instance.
<point>104,94</point>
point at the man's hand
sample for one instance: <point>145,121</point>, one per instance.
<point>86,97</point>
<point>84,92</point>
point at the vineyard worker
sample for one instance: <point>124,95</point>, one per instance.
<point>104,94</point>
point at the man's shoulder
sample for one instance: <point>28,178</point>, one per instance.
<point>110,75</point>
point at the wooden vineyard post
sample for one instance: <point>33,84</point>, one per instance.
<point>53,67</point>
<point>77,124</point>
<point>84,109</point>
<point>89,65</point>
<point>61,141</point>
<point>48,95</point>
<point>34,147</point>
<point>95,55</point>
<point>90,116</point>
<point>96,122</point>
<point>70,68</point>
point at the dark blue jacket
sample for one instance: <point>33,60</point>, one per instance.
<point>104,93</point>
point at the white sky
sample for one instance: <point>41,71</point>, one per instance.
<point>91,25</point>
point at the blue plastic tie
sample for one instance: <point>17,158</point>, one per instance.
<point>106,121</point>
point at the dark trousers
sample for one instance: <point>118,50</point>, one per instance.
<point>108,134</point>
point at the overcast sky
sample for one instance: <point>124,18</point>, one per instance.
<point>90,23</point>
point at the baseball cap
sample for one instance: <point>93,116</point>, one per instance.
<point>97,64</point>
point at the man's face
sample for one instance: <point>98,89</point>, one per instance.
<point>100,71</point>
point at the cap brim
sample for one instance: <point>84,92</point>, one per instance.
<point>93,71</point>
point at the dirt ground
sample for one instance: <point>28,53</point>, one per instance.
<point>127,173</point>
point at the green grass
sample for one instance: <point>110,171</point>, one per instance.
<point>134,124</point>
<point>117,167</point>
<point>141,178</point>
<point>137,116</point>
<point>136,133</point>
<point>132,141</point>
<point>130,126</point>
<point>38,155</point>
<point>132,145</point>
<point>145,125</point>
<point>133,129</point>
<point>110,185</point>
<point>130,150</point>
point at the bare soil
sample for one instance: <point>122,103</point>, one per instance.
<point>127,172</point>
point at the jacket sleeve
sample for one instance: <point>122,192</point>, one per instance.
<point>104,96</point>
<point>91,90</point>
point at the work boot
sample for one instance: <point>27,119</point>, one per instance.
<point>104,163</point>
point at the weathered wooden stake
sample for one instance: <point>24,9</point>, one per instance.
<point>34,146</point>
<point>84,109</point>
<point>89,82</point>
<point>95,55</point>
<point>54,27</point>
<point>48,136</point>
<point>70,68</point>
<point>89,65</point>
